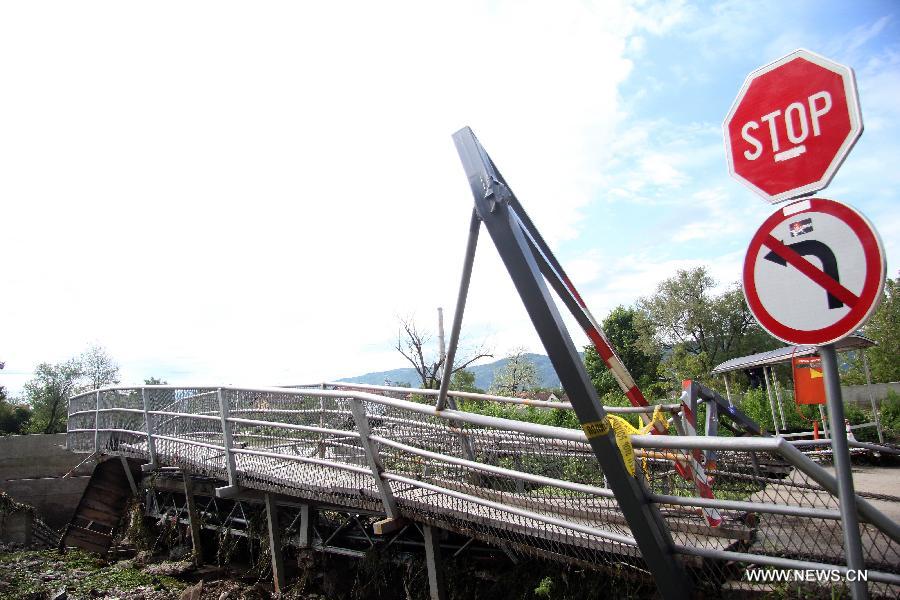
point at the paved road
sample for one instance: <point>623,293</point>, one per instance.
<point>878,480</point>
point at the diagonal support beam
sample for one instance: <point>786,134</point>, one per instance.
<point>128,475</point>
<point>232,489</point>
<point>151,431</point>
<point>384,489</point>
<point>492,198</point>
<point>468,262</point>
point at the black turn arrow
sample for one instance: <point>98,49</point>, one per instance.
<point>820,251</point>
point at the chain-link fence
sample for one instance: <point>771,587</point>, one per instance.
<point>529,489</point>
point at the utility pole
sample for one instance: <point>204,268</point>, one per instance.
<point>443,348</point>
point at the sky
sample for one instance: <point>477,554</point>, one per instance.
<point>253,193</point>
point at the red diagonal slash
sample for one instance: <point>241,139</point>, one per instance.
<point>804,266</point>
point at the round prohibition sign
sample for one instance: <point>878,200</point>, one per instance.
<point>814,272</point>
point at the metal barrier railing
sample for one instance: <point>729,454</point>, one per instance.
<point>535,487</point>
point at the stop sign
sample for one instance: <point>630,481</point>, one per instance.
<point>792,124</point>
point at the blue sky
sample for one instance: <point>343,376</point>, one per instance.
<point>227,193</point>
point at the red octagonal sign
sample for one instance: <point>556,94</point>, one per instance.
<point>793,123</point>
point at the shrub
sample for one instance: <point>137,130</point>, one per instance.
<point>755,405</point>
<point>890,415</point>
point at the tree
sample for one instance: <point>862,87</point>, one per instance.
<point>884,328</point>
<point>98,368</point>
<point>412,343</point>
<point>155,381</point>
<point>697,329</point>
<point>517,375</point>
<point>464,381</point>
<point>14,418</point>
<point>49,391</point>
<point>642,362</point>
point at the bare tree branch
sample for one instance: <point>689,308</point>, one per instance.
<point>412,344</point>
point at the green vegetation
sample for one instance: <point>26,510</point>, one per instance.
<point>556,417</point>
<point>694,329</point>
<point>755,403</point>
<point>643,361</point>
<point>544,588</point>
<point>42,409</point>
<point>464,381</point>
<point>884,328</point>
<point>14,417</point>
<point>519,374</point>
<point>31,572</point>
<point>890,413</point>
<point>48,392</point>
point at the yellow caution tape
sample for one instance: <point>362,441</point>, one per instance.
<point>595,428</point>
<point>624,430</point>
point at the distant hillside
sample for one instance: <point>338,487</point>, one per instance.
<point>484,374</point>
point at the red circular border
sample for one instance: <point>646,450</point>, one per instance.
<point>872,285</point>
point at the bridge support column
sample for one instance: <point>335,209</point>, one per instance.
<point>436,586</point>
<point>305,535</point>
<point>193,518</point>
<point>275,543</point>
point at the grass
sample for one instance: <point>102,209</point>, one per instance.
<point>83,575</point>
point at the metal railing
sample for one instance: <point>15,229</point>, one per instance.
<point>532,487</point>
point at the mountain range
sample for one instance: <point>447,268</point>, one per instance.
<point>484,374</point>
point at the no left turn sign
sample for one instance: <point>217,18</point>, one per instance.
<point>814,272</point>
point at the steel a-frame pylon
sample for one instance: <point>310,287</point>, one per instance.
<point>526,259</point>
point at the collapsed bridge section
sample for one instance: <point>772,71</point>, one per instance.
<point>528,488</point>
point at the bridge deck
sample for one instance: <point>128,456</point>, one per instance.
<point>314,482</point>
<point>535,488</point>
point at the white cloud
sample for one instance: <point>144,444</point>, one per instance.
<point>235,195</point>
<point>655,161</point>
<point>230,195</point>
<point>848,45</point>
<point>638,275</point>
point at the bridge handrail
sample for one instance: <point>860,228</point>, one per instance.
<point>770,444</point>
<point>668,407</point>
<point>672,408</point>
<point>646,443</point>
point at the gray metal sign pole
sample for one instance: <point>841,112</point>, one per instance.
<point>841,453</point>
<point>492,201</point>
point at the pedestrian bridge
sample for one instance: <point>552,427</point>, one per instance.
<point>532,489</point>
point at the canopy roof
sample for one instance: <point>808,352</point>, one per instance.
<point>784,355</point>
